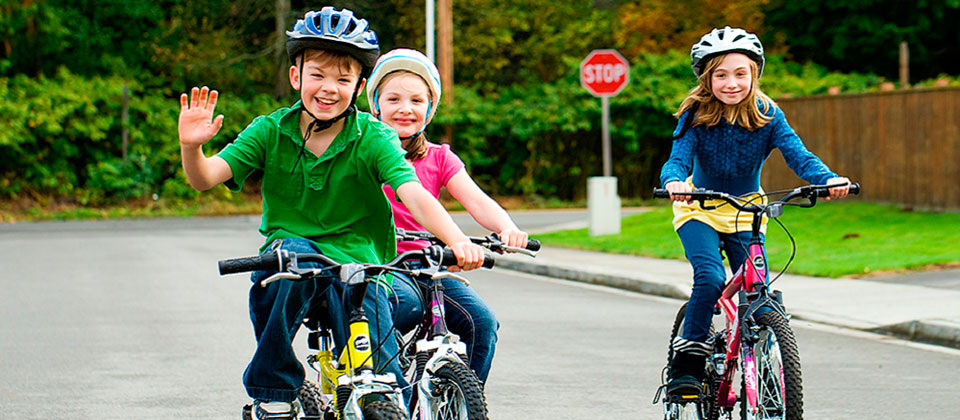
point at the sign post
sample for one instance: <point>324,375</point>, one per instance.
<point>604,73</point>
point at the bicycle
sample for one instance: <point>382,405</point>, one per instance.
<point>347,386</point>
<point>444,386</point>
<point>760,346</point>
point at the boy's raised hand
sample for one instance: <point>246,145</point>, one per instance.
<point>195,126</point>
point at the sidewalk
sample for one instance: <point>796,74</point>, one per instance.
<point>889,306</point>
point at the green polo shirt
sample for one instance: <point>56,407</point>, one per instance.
<point>335,200</point>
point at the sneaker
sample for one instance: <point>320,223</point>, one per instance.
<point>683,385</point>
<point>263,410</point>
<point>686,374</point>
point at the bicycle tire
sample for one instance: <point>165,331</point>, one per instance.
<point>459,394</point>
<point>382,410</point>
<point>309,396</point>
<point>776,351</point>
<point>710,406</point>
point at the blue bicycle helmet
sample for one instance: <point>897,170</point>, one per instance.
<point>722,41</point>
<point>330,29</point>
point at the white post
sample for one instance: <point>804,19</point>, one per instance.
<point>430,42</point>
<point>603,205</point>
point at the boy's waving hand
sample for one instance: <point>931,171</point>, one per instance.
<point>195,126</point>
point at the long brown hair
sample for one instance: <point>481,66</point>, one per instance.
<point>746,113</point>
<point>416,147</point>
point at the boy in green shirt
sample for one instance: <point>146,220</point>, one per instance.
<point>323,166</point>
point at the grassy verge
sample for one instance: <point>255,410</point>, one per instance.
<point>217,202</point>
<point>221,203</point>
<point>833,239</point>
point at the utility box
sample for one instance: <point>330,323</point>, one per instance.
<point>603,205</point>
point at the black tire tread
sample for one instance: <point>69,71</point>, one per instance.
<point>462,377</point>
<point>309,396</point>
<point>382,410</point>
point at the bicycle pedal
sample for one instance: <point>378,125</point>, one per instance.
<point>681,399</point>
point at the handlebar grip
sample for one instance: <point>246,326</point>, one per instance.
<point>268,261</point>
<point>533,245</point>
<point>824,192</point>
<point>449,259</point>
<point>661,193</point>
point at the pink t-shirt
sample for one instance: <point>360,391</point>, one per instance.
<point>434,171</point>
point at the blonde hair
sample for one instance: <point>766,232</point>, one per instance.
<point>416,147</point>
<point>710,111</point>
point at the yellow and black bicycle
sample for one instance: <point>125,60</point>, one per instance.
<point>348,387</point>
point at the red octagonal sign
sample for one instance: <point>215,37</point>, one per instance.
<point>604,72</point>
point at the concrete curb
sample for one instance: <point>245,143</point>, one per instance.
<point>942,332</point>
<point>936,331</point>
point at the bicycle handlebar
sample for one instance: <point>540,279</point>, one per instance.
<point>811,192</point>
<point>491,242</point>
<point>279,260</point>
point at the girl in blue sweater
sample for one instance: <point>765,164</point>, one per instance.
<point>727,127</point>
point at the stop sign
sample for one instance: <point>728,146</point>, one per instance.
<point>604,72</point>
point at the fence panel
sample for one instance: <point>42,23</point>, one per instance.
<point>902,146</point>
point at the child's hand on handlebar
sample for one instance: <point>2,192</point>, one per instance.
<point>676,189</point>
<point>514,237</point>
<point>838,192</point>
<point>469,256</point>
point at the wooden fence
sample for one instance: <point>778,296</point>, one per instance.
<point>901,146</point>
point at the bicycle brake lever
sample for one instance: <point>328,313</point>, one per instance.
<point>279,276</point>
<point>449,275</point>
<point>523,251</point>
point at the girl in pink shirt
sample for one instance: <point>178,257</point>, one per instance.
<point>404,92</point>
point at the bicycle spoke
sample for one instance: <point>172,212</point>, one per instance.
<point>770,388</point>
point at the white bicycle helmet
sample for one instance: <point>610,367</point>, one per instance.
<point>726,40</point>
<point>412,61</point>
<point>330,29</point>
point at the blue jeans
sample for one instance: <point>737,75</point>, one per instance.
<point>701,243</point>
<point>277,311</point>
<point>468,316</point>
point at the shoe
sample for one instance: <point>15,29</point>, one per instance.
<point>263,410</point>
<point>684,385</point>
<point>686,374</point>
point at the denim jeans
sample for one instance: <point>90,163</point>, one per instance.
<point>701,243</point>
<point>277,311</point>
<point>468,316</point>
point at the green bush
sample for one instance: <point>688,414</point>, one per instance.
<point>61,136</point>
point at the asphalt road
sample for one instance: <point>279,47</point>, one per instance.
<point>129,319</point>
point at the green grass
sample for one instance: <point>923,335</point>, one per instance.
<point>833,239</point>
<point>46,209</point>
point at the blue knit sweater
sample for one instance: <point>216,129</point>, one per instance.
<point>728,157</point>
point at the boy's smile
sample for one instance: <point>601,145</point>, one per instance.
<point>404,100</point>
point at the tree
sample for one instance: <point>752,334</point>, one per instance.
<point>658,26</point>
<point>864,35</point>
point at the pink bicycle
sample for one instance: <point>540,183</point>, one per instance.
<point>756,340</point>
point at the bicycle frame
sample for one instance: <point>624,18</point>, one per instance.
<point>352,372</point>
<point>750,276</point>
<point>442,345</point>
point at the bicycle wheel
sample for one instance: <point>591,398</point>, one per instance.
<point>310,402</point>
<point>777,366</point>
<point>705,409</point>
<point>382,410</point>
<point>457,396</point>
